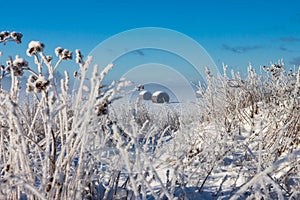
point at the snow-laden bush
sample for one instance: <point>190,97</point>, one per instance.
<point>254,123</point>
<point>45,148</point>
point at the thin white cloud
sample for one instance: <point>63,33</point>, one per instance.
<point>295,61</point>
<point>241,49</point>
<point>290,39</point>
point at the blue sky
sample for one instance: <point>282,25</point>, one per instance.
<point>233,32</point>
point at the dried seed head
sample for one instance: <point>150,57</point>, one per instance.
<point>29,88</point>
<point>20,62</point>
<point>34,47</point>
<point>58,51</point>
<point>48,187</point>
<point>63,54</point>
<point>4,35</point>
<point>66,55</point>
<point>49,58</point>
<point>42,84</point>
<point>32,78</point>
<point>37,84</point>
<point>75,74</point>
<point>79,56</point>
<point>16,36</point>
<point>18,66</point>
<point>207,70</point>
<point>9,62</point>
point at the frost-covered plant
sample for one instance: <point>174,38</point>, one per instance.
<point>44,145</point>
<point>240,140</point>
<point>257,125</point>
<point>6,36</point>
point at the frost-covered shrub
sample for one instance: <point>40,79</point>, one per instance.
<point>44,140</point>
<point>257,132</point>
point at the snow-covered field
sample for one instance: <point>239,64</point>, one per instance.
<point>239,140</point>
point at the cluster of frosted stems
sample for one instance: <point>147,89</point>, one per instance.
<point>17,66</point>
<point>63,54</point>
<point>7,36</point>
<point>37,84</point>
<point>34,47</point>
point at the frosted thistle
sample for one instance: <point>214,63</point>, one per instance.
<point>13,36</point>
<point>79,57</point>
<point>58,51</point>
<point>18,66</point>
<point>41,84</point>
<point>75,74</point>
<point>63,54</point>
<point>37,84</point>
<point>32,78</point>
<point>16,37</point>
<point>4,35</point>
<point>34,47</point>
<point>49,58</point>
<point>20,62</point>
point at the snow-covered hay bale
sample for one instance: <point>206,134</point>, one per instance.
<point>160,97</point>
<point>145,95</point>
